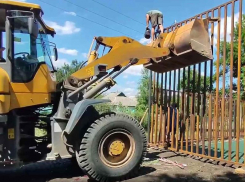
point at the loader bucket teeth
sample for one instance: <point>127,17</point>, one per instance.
<point>188,44</point>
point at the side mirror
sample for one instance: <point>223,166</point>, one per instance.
<point>33,27</point>
<point>55,53</point>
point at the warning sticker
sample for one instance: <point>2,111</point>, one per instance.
<point>11,133</point>
<point>90,71</point>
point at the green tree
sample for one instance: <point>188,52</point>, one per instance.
<point>235,58</point>
<point>194,87</point>
<point>143,90</point>
<point>103,108</point>
<point>67,69</point>
<point>142,97</point>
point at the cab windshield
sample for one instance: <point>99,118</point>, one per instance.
<point>29,51</point>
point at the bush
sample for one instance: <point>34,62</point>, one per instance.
<point>103,108</point>
<point>137,114</point>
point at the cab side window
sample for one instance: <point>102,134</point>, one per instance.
<point>2,47</point>
<point>25,60</point>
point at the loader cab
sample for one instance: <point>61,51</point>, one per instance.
<point>24,38</point>
<point>26,57</point>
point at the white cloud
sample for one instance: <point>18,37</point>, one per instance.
<point>115,88</point>
<point>130,82</point>
<point>60,62</point>
<point>144,41</point>
<point>130,92</point>
<point>21,0</point>
<point>70,13</point>
<point>134,70</point>
<point>67,28</point>
<point>228,30</point>
<point>84,55</point>
<point>72,52</point>
<point>125,76</point>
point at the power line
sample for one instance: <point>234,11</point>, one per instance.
<point>101,16</point>
<point>86,19</point>
<point>118,12</point>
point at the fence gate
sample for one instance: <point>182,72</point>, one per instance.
<point>210,96</point>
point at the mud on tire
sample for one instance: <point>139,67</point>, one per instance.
<point>102,162</point>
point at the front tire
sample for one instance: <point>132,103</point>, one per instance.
<point>112,148</point>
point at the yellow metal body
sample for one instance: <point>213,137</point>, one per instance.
<point>21,5</point>
<point>116,148</point>
<point>4,82</point>
<point>36,92</point>
<point>4,92</point>
<point>35,8</point>
<point>18,95</point>
<point>184,46</point>
<point>122,50</point>
<point>93,56</point>
<point>187,45</point>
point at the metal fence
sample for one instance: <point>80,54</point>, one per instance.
<point>210,97</point>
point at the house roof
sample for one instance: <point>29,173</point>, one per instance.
<point>119,97</point>
<point>112,95</point>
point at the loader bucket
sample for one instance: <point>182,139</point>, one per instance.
<point>188,44</point>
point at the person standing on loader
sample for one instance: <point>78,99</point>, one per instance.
<point>156,18</point>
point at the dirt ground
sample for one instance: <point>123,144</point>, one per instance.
<point>152,170</point>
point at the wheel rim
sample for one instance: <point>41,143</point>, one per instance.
<point>116,148</point>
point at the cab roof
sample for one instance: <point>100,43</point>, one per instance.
<point>35,8</point>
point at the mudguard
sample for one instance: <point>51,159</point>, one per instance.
<point>79,110</point>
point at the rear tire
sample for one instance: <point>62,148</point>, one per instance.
<point>112,148</point>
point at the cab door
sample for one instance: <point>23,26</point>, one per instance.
<point>30,58</point>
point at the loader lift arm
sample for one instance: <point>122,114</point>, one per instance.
<point>185,46</point>
<point>123,49</point>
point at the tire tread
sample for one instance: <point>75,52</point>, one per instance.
<point>83,157</point>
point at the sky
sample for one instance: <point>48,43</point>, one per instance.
<point>77,22</point>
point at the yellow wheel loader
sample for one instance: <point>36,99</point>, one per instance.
<point>107,147</point>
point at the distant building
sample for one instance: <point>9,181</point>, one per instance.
<point>119,97</point>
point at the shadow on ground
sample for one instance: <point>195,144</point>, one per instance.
<point>228,177</point>
<point>48,170</point>
<point>42,171</point>
<point>68,171</point>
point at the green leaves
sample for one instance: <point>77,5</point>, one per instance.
<point>142,98</point>
<point>194,87</point>
<point>67,69</point>
<point>143,90</point>
<point>235,57</point>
